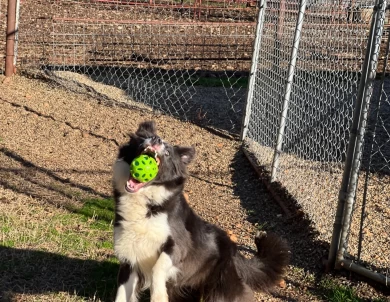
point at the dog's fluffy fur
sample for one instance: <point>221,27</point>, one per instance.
<point>163,245</point>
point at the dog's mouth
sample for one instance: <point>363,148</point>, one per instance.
<point>133,185</point>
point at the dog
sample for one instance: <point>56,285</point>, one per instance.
<point>163,245</point>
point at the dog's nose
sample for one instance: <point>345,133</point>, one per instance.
<point>156,140</point>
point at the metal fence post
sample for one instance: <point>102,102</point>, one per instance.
<point>287,92</point>
<point>10,38</point>
<point>252,74</point>
<point>17,14</point>
<point>371,138</point>
<point>352,162</point>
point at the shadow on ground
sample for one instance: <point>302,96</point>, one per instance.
<point>25,177</point>
<point>24,271</point>
<point>306,251</point>
<point>36,272</point>
<point>207,98</point>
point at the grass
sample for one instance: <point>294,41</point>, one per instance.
<point>335,292</point>
<point>98,211</point>
<point>53,254</point>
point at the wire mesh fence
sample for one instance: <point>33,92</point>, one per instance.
<point>299,114</point>
<point>3,20</point>
<point>320,105</point>
<point>368,242</point>
<point>353,199</point>
<point>185,58</point>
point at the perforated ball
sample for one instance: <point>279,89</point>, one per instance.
<point>144,168</point>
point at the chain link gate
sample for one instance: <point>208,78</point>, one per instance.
<point>366,248</point>
<point>312,75</point>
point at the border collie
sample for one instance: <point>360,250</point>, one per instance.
<point>164,246</point>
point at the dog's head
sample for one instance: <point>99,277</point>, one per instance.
<point>171,160</point>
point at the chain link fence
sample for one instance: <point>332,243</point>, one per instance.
<point>307,81</point>
<point>368,244</point>
<point>3,23</point>
<point>320,105</point>
<point>186,58</point>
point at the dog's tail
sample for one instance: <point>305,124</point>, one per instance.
<point>267,268</point>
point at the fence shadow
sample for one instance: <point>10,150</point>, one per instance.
<point>212,99</point>
<point>307,251</point>
<point>25,177</point>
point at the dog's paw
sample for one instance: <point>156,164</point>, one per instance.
<point>261,234</point>
<point>259,238</point>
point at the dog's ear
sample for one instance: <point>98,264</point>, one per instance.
<point>146,129</point>
<point>187,154</point>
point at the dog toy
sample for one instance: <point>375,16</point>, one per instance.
<point>144,168</point>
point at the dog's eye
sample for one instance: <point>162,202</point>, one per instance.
<point>166,152</point>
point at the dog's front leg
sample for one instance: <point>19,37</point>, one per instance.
<point>161,272</point>
<point>127,284</point>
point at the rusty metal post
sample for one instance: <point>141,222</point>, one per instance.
<point>10,40</point>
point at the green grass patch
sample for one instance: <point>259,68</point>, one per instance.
<point>8,243</point>
<point>99,212</point>
<point>334,292</point>
<point>5,229</point>
<point>101,209</point>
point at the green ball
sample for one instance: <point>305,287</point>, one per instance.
<point>144,168</point>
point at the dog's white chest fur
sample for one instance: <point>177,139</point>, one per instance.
<point>139,238</point>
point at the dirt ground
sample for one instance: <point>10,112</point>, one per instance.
<point>57,148</point>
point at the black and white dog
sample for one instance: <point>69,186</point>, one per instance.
<point>163,245</point>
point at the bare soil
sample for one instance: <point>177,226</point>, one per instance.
<point>57,148</point>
